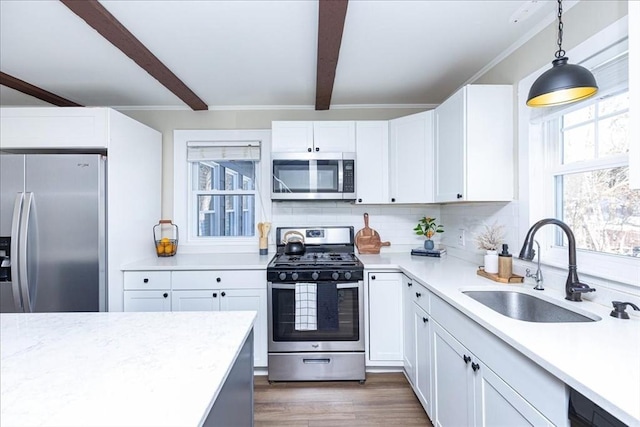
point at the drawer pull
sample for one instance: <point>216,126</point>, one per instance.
<point>425,319</point>
<point>466,358</point>
<point>215,295</point>
<point>418,294</point>
<point>316,361</point>
<point>165,295</point>
<point>475,367</point>
<point>218,279</point>
<point>145,280</point>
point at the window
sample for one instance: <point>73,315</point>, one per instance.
<point>222,197</point>
<point>574,165</point>
<point>589,160</point>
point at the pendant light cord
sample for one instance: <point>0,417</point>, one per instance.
<point>560,52</point>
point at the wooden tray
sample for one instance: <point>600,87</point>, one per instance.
<point>513,279</point>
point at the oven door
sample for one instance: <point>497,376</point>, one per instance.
<point>307,177</point>
<point>283,336</point>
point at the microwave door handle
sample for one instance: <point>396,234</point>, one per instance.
<point>313,176</point>
<point>15,254</point>
<point>340,176</point>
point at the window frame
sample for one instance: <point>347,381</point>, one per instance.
<point>185,215</point>
<point>537,186</point>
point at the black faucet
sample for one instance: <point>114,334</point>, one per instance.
<point>573,288</point>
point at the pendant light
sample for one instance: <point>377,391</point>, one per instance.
<point>563,83</point>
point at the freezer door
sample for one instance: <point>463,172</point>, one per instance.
<point>65,242</point>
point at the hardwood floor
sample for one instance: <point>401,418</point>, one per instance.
<point>384,400</point>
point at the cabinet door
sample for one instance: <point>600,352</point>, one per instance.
<point>452,379</point>
<point>254,300</point>
<point>422,338</point>
<point>372,162</point>
<point>288,137</point>
<point>409,338</point>
<point>147,301</point>
<point>334,136</point>
<point>411,166</point>
<point>195,300</point>
<point>497,404</point>
<point>385,317</point>
<point>450,156</point>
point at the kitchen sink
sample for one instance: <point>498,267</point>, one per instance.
<point>529,308</point>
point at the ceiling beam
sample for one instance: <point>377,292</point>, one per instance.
<point>101,20</point>
<point>35,91</point>
<point>331,18</point>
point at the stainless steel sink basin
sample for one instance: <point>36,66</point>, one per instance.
<point>522,306</point>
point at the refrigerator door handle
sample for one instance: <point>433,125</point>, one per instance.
<point>22,260</point>
<point>15,236</point>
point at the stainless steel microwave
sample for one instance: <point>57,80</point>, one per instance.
<point>313,176</point>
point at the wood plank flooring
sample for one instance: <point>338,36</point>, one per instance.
<point>386,399</point>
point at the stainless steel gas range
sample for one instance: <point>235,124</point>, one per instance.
<point>316,308</point>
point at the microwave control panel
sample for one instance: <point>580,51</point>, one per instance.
<point>349,181</point>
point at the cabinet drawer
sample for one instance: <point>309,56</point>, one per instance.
<point>219,279</point>
<point>146,280</point>
<point>421,296</point>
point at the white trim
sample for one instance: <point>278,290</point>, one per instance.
<point>276,107</point>
<point>181,179</point>
<point>610,267</point>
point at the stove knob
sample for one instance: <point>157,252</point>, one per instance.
<point>282,276</point>
<point>294,276</point>
<point>315,275</point>
<point>347,275</point>
<point>335,276</point>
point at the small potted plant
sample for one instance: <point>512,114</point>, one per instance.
<point>490,239</point>
<point>427,227</point>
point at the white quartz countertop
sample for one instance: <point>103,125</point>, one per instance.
<point>116,369</point>
<point>228,261</point>
<point>599,359</point>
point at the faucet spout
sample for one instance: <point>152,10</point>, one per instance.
<point>573,287</point>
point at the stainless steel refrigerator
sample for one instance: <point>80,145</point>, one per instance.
<point>52,232</point>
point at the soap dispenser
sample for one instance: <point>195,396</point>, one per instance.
<point>505,263</point>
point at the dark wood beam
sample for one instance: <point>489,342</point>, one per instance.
<point>111,29</point>
<point>331,18</point>
<point>35,91</point>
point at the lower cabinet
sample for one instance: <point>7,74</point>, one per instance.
<point>153,300</point>
<point>409,331</point>
<point>422,339</point>
<point>385,319</point>
<point>207,290</point>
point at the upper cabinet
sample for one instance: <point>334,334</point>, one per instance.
<point>411,158</point>
<point>305,136</point>
<point>474,145</point>
<point>372,157</point>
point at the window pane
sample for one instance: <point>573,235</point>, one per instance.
<point>227,175</point>
<point>231,215</point>
<point>613,137</point>
<point>602,211</point>
<point>580,116</point>
<point>613,104</point>
<point>578,144</point>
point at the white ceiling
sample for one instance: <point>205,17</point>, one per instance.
<point>261,53</point>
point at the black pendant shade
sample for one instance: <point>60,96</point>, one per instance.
<point>562,84</point>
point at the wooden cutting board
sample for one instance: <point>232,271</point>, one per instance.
<point>368,240</point>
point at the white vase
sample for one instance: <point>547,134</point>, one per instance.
<point>491,262</point>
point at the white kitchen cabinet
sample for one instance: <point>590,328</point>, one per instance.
<point>474,145</point>
<point>422,338</point>
<point>385,318</point>
<point>225,290</point>
<point>306,136</point>
<point>154,300</point>
<point>372,162</point>
<point>634,95</point>
<point>411,159</point>
<point>147,280</point>
<point>409,331</point>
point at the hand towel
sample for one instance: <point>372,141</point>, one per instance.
<point>306,314</point>
<point>327,296</point>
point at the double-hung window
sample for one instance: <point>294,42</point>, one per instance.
<point>583,149</point>
<point>222,198</point>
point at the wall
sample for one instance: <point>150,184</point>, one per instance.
<point>166,121</point>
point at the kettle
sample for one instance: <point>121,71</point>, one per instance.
<point>295,245</point>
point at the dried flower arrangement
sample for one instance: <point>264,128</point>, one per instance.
<point>491,238</point>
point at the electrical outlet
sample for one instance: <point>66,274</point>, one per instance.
<point>461,237</point>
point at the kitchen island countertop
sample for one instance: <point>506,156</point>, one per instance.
<point>116,369</point>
